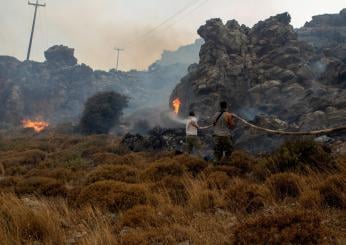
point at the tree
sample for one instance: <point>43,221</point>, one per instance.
<point>102,112</point>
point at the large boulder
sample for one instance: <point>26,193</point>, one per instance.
<point>60,55</point>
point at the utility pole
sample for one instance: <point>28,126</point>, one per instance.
<point>37,4</point>
<point>118,50</point>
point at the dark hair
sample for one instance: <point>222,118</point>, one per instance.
<point>191,114</point>
<point>223,105</point>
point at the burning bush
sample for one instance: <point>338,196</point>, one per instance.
<point>112,172</point>
<point>245,197</point>
<point>281,227</point>
<point>113,196</point>
<point>102,112</point>
<point>284,185</point>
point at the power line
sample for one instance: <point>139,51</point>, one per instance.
<point>188,13</point>
<point>118,50</point>
<point>172,17</point>
<point>37,4</point>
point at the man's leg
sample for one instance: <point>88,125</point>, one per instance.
<point>189,143</point>
<point>198,146</point>
<point>228,147</point>
<point>218,149</point>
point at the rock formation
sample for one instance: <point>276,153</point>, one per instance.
<point>267,70</point>
<point>57,89</point>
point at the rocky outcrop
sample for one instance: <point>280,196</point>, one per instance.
<point>60,56</point>
<point>325,31</point>
<point>266,70</point>
<point>56,90</point>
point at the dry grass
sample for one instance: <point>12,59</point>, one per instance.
<point>86,190</point>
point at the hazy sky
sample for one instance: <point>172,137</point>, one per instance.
<point>95,27</point>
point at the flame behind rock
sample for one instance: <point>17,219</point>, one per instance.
<point>38,126</point>
<point>176,105</point>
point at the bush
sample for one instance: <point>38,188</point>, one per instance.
<point>173,234</point>
<point>113,196</point>
<point>21,223</point>
<point>110,158</point>
<point>284,185</point>
<point>30,157</point>
<point>159,170</point>
<point>8,183</point>
<point>141,216</point>
<point>41,186</point>
<point>243,161</point>
<point>333,192</point>
<point>245,197</point>
<point>281,227</point>
<point>194,165</point>
<point>299,156</point>
<point>102,112</point>
<point>310,199</point>
<point>112,172</point>
<point>218,180</point>
<point>203,201</point>
<point>230,171</point>
<point>56,173</point>
<point>176,190</point>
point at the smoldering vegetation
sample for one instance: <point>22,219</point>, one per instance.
<point>93,190</point>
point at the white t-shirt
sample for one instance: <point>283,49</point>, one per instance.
<point>190,129</point>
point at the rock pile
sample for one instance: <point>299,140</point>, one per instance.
<point>268,70</point>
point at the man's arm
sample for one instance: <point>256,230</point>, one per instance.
<point>195,124</point>
<point>230,120</point>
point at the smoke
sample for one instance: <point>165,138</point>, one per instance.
<point>94,28</point>
<point>319,68</point>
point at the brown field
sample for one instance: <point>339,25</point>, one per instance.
<point>87,190</point>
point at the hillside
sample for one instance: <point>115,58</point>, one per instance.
<point>57,89</point>
<point>92,190</point>
<point>271,74</point>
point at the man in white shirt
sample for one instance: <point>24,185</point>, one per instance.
<point>192,140</point>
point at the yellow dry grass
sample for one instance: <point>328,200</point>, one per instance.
<point>85,190</point>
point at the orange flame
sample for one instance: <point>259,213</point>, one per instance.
<point>38,126</point>
<point>176,105</point>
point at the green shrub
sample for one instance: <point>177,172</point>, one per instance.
<point>102,112</point>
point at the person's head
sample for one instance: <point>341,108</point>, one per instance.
<point>223,105</point>
<point>192,114</point>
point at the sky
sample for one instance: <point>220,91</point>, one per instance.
<point>144,28</point>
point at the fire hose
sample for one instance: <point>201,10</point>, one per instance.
<point>280,132</point>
